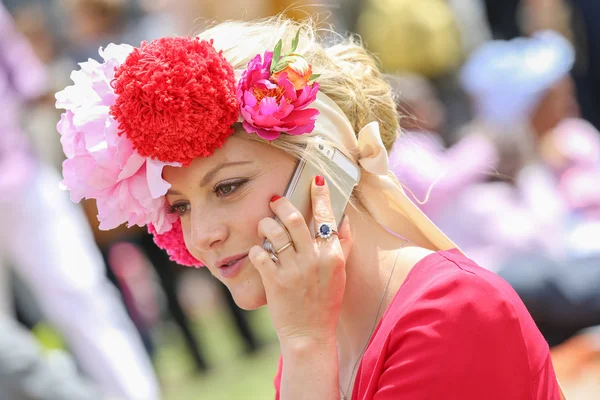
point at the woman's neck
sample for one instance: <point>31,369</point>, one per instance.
<point>368,271</point>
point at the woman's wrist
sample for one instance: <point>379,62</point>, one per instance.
<point>306,344</point>
<point>310,368</point>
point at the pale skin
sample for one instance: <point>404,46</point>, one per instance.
<point>322,295</point>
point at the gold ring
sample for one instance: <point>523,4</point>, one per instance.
<point>288,244</point>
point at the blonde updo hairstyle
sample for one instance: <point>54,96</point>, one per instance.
<point>348,74</point>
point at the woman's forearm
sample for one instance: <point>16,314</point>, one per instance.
<point>310,370</point>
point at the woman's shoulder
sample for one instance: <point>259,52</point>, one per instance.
<point>454,279</point>
<point>449,293</point>
<point>455,330</point>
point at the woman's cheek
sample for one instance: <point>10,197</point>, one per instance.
<point>188,242</point>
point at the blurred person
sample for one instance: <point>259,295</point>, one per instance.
<point>540,15</point>
<point>577,356</point>
<point>562,294</point>
<point>472,23</point>
<point>575,18</point>
<point>26,373</point>
<point>190,16</point>
<point>345,14</point>
<point>132,273</point>
<point>383,306</point>
<point>511,19</point>
<point>503,18</point>
<point>423,38</point>
<point>412,37</point>
<point>34,22</point>
<point>523,224</point>
<point>520,90</point>
<point>157,19</point>
<point>537,90</point>
<point>92,23</point>
<point>48,239</point>
<point>586,33</point>
<point>418,104</point>
<point>167,275</point>
<point>110,240</point>
<point>572,152</point>
<point>432,174</point>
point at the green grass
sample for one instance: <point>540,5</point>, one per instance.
<point>234,375</point>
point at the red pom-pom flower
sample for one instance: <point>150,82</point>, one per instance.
<point>175,99</point>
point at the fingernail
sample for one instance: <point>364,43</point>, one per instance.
<point>275,198</point>
<point>319,180</point>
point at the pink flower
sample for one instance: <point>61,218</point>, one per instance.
<point>272,106</point>
<point>100,164</point>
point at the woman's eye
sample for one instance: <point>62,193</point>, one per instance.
<point>228,188</point>
<point>179,209</point>
<point>225,189</point>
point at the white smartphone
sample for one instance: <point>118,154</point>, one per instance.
<point>298,189</point>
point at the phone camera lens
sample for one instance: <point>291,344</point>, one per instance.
<point>320,147</point>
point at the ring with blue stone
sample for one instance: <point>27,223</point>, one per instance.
<point>325,231</point>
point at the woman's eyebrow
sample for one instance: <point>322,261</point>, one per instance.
<point>211,174</point>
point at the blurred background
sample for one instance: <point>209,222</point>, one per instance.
<point>498,103</point>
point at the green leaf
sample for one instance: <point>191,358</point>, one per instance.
<point>313,77</point>
<point>276,55</point>
<point>295,42</point>
<point>282,65</point>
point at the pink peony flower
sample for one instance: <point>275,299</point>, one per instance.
<point>100,164</point>
<point>271,106</point>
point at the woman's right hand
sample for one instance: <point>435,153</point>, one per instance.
<point>305,287</point>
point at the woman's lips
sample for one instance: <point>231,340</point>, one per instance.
<point>229,271</point>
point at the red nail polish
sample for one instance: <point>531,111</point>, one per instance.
<point>275,198</point>
<point>319,180</point>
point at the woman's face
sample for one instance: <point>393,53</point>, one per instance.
<point>220,200</point>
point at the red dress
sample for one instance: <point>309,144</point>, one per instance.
<point>454,331</point>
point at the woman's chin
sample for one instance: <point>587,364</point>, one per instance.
<point>249,297</point>
<point>250,303</point>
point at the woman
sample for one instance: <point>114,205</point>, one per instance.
<point>386,307</point>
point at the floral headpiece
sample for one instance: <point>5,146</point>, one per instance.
<point>274,93</point>
<point>163,104</point>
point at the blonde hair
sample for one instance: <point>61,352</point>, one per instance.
<point>348,75</point>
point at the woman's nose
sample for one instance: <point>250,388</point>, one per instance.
<point>208,235</point>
